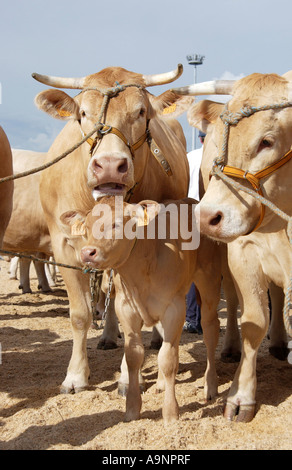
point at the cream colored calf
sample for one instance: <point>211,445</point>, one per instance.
<point>151,278</point>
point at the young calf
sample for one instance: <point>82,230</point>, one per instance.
<point>153,265</point>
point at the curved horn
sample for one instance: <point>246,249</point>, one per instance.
<point>163,78</point>
<point>60,82</point>
<point>215,87</point>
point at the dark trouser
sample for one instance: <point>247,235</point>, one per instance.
<point>193,311</point>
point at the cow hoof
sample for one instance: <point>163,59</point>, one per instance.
<point>279,352</point>
<point>123,388</point>
<point>25,290</point>
<point>131,417</point>
<point>45,290</point>
<point>106,344</point>
<point>67,390</point>
<point>240,414</point>
<point>229,356</point>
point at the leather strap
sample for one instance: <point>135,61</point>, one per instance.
<point>155,150</point>
<point>254,178</point>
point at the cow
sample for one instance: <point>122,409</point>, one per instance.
<point>116,161</point>
<point>257,150</point>
<point>6,188</point>
<point>27,231</point>
<point>141,243</point>
<point>45,279</point>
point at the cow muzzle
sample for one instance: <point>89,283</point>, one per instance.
<point>110,175</point>
<point>89,255</point>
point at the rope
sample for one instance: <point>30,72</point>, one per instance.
<point>228,118</point>
<point>232,119</point>
<point>85,270</point>
<point>107,94</point>
<point>52,162</point>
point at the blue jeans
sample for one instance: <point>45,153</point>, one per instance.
<point>193,311</point>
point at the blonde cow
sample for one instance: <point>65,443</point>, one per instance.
<point>27,231</point>
<point>6,189</point>
<point>116,160</point>
<point>257,153</point>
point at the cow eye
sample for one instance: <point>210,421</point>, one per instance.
<point>83,113</point>
<point>265,144</point>
<point>142,112</point>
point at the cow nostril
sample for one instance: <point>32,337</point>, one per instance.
<point>88,254</point>
<point>92,253</point>
<point>216,220</point>
<point>123,167</point>
<point>96,165</point>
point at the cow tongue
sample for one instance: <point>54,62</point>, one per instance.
<point>106,186</point>
<point>107,189</point>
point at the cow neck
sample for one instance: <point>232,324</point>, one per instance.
<point>254,179</point>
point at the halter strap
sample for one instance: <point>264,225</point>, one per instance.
<point>105,129</point>
<point>229,119</point>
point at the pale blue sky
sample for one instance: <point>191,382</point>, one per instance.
<point>76,38</point>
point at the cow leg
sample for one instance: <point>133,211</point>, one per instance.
<point>168,357</point>
<point>13,267</point>
<point>41,274</point>
<point>211,327</point>
<point>278,336</point>
<point>156,340</point>
<point>111,331</point>
<point>231,350</point>
<point>123,383</point>
<point>134,354</point>
<point>253,298</point>
<point>77,285</point>
<point>24,265</point>
<point>51,273</point>
<point>108,339</point>
<point>231,346</point>
<point>208,283</point>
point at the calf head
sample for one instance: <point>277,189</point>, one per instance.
<point>110,229</point>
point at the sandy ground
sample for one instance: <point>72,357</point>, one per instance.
<point>35,337</point>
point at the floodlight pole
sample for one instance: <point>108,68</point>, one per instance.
<point>195,60</point>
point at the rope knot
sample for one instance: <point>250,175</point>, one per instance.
<point>230,118</point>
<point>113,91</point>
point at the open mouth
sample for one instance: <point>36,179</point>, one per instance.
<point>108,189</point>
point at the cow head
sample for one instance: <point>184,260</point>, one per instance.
<point>253,143</point>
<point>119,154</point>
<point>110,229</point>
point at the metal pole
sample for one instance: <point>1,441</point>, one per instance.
<point>195,60</point>
<point>194,131</point>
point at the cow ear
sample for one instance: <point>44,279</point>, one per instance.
<point>75,220</point>
<point>147,211</point>
<point>171,105</point>
<point>58,104</point>
<point>288,76</point>
<point>143,212</point>
<point>204,113</point>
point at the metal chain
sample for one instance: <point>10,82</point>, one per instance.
<point>94,296</point>
<point>107,298</point>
